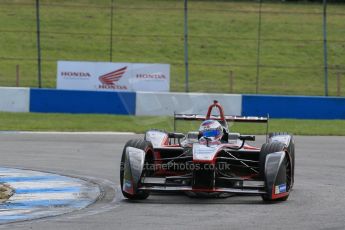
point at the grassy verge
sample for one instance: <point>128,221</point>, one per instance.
<point>222,38</point>
<point>71,122</point>
<point>5,192</point>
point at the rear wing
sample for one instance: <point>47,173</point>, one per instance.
<point>221,117</point>
<point>196,117</point>
<point>228,118</point>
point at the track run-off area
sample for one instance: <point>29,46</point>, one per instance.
<point>317,201</point>
<point>38,194</point>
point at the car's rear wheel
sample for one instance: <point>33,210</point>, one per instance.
<point>148,149</point>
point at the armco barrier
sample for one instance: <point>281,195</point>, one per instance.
<point>298,107</point>
<point>14,99</point>
<point>70,101</point>
<point>159,103</point>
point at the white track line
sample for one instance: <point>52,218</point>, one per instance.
<point>39,194</point>
<point>41,185</point>
<point>67,133</point>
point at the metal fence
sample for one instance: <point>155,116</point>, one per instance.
<point>212,46</point>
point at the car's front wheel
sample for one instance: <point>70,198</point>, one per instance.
<point>286,169</point>
<point>148,149</point>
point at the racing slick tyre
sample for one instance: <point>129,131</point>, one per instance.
<point>148,149</point>
<point>291,150</point>
<point>271,148</point>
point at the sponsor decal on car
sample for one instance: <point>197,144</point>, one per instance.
<point>128,184</point>
<point>280,189</point>
<point>203,152</point>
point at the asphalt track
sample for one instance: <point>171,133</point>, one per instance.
<point>317,202</point>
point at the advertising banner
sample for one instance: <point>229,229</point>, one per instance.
<point>108,76</point>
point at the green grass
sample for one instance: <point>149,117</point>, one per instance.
<point>74,122</point>
<point>222,38</point>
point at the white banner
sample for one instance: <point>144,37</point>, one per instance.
<point>110,76</point>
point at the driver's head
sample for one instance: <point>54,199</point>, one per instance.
<point>211,129</point>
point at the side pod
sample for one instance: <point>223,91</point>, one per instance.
<point>275,175</point>
<point>133,167</point>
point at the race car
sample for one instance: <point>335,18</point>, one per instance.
<point>211,161</point>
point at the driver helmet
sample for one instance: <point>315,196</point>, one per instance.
<point>211,129</point>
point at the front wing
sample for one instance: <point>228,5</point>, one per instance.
<point>166,184</point>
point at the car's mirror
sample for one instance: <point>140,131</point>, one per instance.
<point>247,138</point>
<point>176,135</point>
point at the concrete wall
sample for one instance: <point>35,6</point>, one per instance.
<point>165,104</point>
<point>299,107</point>
<point>193,103</point>
<point>14,99</point>
<point>71,101</point>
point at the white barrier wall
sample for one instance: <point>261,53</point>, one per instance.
<point>14,99</point>
<point>159,103</point>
